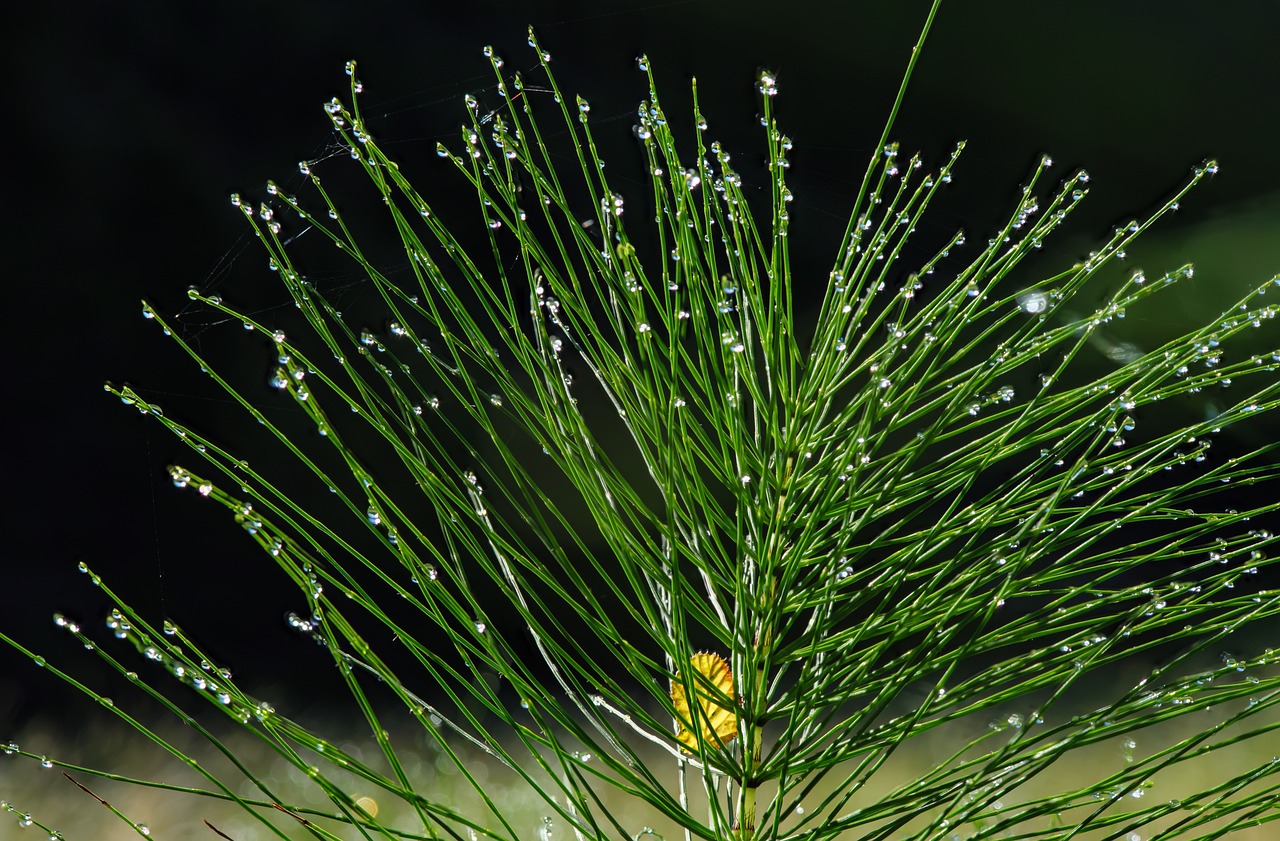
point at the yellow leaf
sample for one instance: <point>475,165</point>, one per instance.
<point>713,685</point>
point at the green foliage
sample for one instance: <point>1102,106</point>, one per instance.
<point>584,453</point>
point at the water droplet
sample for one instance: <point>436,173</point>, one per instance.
<point>1033,301</point>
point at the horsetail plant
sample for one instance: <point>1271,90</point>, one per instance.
<point>677,557</point>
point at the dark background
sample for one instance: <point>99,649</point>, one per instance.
<point>129,124</point>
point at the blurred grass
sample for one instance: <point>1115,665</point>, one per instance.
<point>175,816</point>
